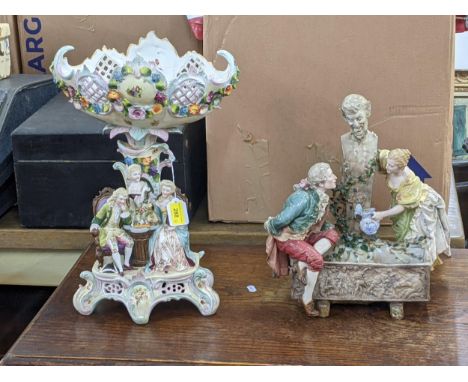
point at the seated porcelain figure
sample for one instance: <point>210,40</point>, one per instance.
<point>109,221</point>
<point>417,210</point>
<point>169,246</point>
<point>301,232</point>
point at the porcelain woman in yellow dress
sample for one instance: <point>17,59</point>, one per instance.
<point>416,210</point>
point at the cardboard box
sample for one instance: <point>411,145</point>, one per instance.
<point>13,43</point>
<point>295,72</point>
<point>41,36</point>
<point>5,61</point>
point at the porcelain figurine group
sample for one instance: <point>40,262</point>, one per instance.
<point>141,229</point>
<point>300,240</point>
<point>126,211</point>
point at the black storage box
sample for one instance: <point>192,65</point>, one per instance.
<point>63,159</point>
<point>20,96</point>
<point>7,195</point>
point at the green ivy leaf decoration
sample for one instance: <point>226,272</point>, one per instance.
<point>341,195</point>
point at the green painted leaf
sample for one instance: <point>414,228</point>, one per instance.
<point>160,85</point>
<point>145,71</point>
<point>127,69</point>
<point>113,84</point>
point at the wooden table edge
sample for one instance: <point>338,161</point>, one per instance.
<point>10,352</point>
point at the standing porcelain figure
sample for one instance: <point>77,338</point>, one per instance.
<point>417,210</point>
<point>169,245</point>
<point>301,232</point>
<point>108,222</point>
<point>139,192</point>
<point>359,154</point>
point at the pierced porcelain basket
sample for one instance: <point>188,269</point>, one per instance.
<point>149,87</point>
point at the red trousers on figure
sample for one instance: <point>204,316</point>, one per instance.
<point>303,250</point>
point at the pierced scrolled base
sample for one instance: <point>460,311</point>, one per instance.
<point>340,282</point>
<point>140,292</point>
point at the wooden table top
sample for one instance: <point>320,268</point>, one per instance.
<point>265,327</point>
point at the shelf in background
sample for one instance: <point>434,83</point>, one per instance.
<point>13,236</point>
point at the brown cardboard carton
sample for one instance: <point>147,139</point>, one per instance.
<point>13,43</point>
<point>5,61</point>
<point>42,36</point>
<point>295,72</point>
